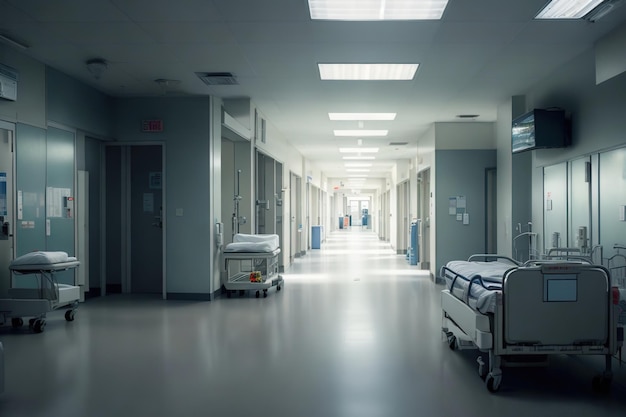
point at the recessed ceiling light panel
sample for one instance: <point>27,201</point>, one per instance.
<point>367,10</point>
<point>368,72</point>
<point>362,116</point>
<point>361,132</point>
<point>567,9</point>
<point>359,158</point>
<point>358,150</point>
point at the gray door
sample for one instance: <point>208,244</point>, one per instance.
<point>146,240</point>
<point>134,206</point>
<point>7,222</point>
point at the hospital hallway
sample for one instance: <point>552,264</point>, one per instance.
<point>356,331</point>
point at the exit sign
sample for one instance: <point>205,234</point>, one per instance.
<point>152,125</point>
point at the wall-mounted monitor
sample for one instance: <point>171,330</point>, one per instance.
<point>540,129</point>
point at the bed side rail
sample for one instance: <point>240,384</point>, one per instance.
<point>476,279</point>
<point>489,257</point>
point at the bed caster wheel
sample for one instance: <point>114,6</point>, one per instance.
<point>17,322</point>
<point>278,288</point>
<point>601,384</point>
<point>31,323</point>
<point>258,294</point>
<point>69,315</point>
<point>493,382</point>
<point>39,325</point>
<point>452,342</point>
<point>264,293</point>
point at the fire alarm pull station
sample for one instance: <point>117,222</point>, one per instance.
<point>69,207</point>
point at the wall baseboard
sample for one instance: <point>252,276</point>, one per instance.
<point>190,296</point>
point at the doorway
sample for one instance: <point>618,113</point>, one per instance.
<point>424,207</point>
<point>134,219</point>
<point>402,219</point>
<point>7,220</point>
<point>295,208</point>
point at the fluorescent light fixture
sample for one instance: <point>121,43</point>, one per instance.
<point>357,165</point>
<point>368,10</point>
<point>359,158</point>
<point>362,116</point>
<point>567,9</point>
<point>357,170</point>
<point>361,132</point>
<point>357,176</point>
<point>367,72</point>
<point>358,150</point>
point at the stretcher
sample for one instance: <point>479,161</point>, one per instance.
<point>34,290</point>
<point>251,264</point>
<point>529,314</point>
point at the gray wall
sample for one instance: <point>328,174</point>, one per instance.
<point>72,103</point>
<point>187,181</point>
<point>30,107</point>
<point>461,173</point>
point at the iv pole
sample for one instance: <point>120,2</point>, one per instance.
<point>237,198</point>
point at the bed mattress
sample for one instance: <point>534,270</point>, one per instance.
<point>253,243</point>
<point>476,283</point>
<point>42,259</point>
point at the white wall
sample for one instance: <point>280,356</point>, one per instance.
<point>505,178</point>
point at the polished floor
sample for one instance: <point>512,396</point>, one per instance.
<point>356,332</point>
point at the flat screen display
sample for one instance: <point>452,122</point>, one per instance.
<point>540,129</point>
<point>523,133</point>
<point>560,287</point>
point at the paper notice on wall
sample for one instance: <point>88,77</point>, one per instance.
<point>452,206</point>
<point>461,203</point>
<point>55,198</point>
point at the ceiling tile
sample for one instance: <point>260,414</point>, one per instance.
<point>168,10</point>
<point>187,32</point>
<point>70,10</point>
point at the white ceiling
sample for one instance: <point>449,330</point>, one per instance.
<point>481,53</point>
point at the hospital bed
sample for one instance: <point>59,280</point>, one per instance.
<point>34,290</point>
<point>516,313</point>
<point>251,263</point>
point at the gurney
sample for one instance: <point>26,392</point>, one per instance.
<point>251,263</point>
<point>525,314</point>
<point>34,290</point>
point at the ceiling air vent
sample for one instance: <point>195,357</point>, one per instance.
<point>217,78</point>
<point>398,143</point>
